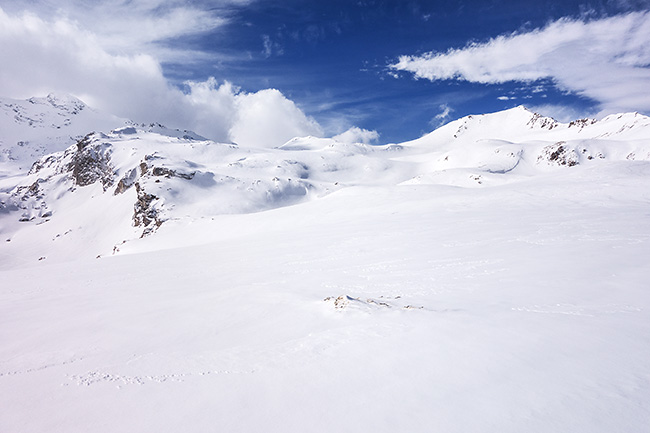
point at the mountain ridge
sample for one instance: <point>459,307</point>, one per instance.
<point>146,175</point>
<point>520,123</point>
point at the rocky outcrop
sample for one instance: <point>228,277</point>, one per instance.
<point>83,164</point>
<point>581,123</point>
<point>30,200</point>
<point>145,212</point>
<point>127,181</point>
<point>159,170</point>
<point>560,154</point>
<point>542,122</point>
<point>91,163</point>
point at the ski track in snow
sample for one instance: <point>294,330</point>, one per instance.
<point>97,377</point>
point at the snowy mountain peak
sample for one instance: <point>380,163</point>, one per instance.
<point>38,126</point>
<point>64,103</point>
<point>519,124</point>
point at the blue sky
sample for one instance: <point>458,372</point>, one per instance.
<point>400,68</point>
<point>333,57</point>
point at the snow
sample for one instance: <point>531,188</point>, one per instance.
<point>36,127</point>
<point>394,292</point>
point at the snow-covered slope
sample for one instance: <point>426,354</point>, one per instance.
<point>489,276</point>
<point>125,183</point>
<point>478,150</point>
<point>520,124</point>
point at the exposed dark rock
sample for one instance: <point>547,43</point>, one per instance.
<point>167,172</point>
<point>555,156</point>
<point>560,154</point>
<point>33,189</point>
<point>84,142</point>
<point>144,213</point>
<point>91,163</point>
<point>28,192</point>
<point>126,182</point>
<point>581,123</point>
<point>542,122</point>
<point>121,187</point>
<point>187,176</point>
<point>45,162</point>
<point>162,171</point>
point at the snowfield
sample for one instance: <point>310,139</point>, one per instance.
<point>491,276</point>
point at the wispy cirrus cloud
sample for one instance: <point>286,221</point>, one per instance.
<point>606,59</point>
<point>134,27</point>
<point>271,47</point>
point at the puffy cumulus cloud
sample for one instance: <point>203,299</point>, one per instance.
<point>268,119</point>
<point>262,119</point>
<point>357,135</point>
<point>213,108</point>
<point>603,59</point>
<point>40,56</point>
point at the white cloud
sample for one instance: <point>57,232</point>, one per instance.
<point>40,56</point>
<point>133,27</point>
<point>268,46</point>
<point>268,119</point>
<point>357,135</point>
<point>262,119</point>
<point>442,117</point>
<point>271,47</point>
<point>212,107</point>
<point>445,113</point>
<point>605,59</point>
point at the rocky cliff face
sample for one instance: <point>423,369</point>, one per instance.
<point>91,162</point>
<point>86,163</point>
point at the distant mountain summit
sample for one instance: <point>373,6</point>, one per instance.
<point>521,124</point>
<point>35,127</point>
<point>64,103</point>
